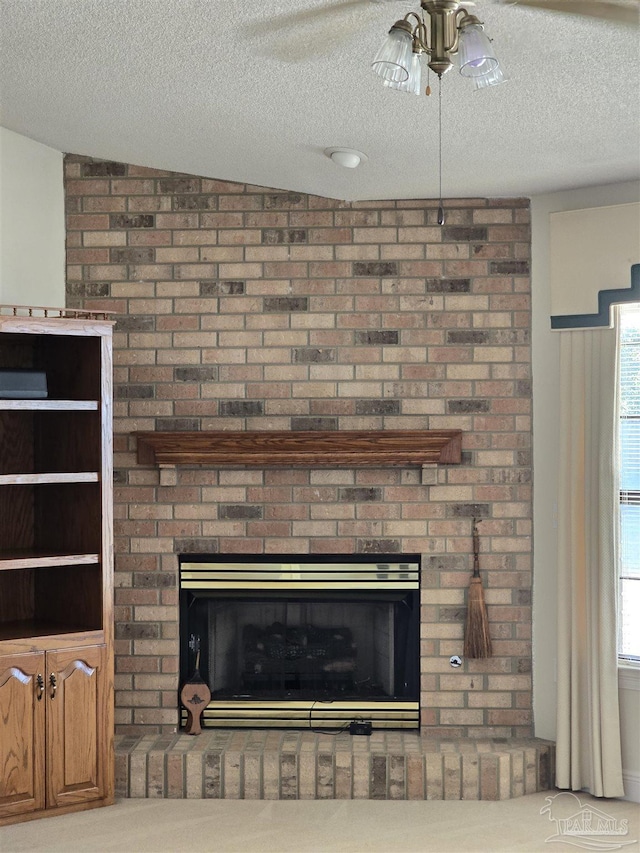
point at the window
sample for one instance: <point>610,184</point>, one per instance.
<point>629,442</point>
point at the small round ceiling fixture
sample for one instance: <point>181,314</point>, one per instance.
<point>349,158</point>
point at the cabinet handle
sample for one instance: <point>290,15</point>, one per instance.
<point>54,684</point>
<point>39,686</point>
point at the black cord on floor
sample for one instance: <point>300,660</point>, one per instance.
<point>325,731</point>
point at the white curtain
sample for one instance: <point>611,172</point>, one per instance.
<point>588,753</point>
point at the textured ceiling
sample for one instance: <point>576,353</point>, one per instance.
<point>240,91</point>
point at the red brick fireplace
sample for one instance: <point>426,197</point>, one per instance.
<point>241,308</point>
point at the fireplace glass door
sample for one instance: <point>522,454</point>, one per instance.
<point>293,647</point>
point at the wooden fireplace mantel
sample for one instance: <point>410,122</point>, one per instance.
<point>268,449</point>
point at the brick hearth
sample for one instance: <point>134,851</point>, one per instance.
<point>275,765</point>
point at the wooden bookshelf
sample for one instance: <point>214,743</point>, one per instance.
<point>56,571</point>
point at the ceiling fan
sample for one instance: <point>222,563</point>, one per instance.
<point>312,32</point>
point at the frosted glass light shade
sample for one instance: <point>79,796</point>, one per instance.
<point>491,78</point>
<point>393,60</point>
<point>475,52</point>
<point>413,84</point>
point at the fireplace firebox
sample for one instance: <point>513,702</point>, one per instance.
<point>299,642</point>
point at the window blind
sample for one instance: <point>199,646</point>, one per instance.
<point>629,460</point>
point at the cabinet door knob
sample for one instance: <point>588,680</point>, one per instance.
<point>54,684</point>
<point>39,686</point>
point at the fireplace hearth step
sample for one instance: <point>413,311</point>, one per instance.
<point>272,765</point>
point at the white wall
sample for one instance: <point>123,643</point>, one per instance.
<point>608,244</point>
<point>32,228</point>
<point>629,694</point>
<point>546,400</point>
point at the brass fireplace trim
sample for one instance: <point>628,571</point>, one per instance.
<point>299,576</point>
<point>384,714</point>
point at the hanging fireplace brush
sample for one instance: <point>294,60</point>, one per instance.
<point>477,641</point>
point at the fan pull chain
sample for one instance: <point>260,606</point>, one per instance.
<point>440,205</point>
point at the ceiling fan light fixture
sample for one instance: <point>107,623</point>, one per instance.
<point>475,51</point>
<point>492,78</point>
<point>442,31</point>
<point>414,83</point>
<point>393,60</point>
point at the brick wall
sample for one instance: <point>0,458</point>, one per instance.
<point>241,307</point>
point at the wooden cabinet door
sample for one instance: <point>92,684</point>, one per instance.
<point>22,715</point>
<point>76,736</point>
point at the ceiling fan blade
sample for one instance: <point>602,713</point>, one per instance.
<point>307,45</point>
<point>296,36</point>
<point>306,16</point>
<point>618,11</point>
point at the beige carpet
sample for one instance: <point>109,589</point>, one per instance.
<point>258,826</point>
